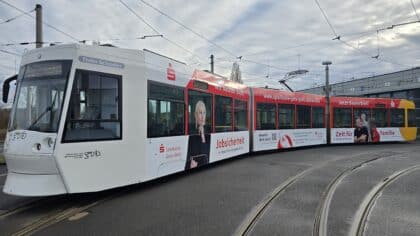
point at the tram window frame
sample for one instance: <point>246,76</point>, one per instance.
<point>287,116</point>
<point>240,111</point>
<point>223,120</point>
<point>168,99</point>
<point>99,123</point>
<point>411,115</point>
<point>394,112</point>
<point>318,114</point>
<point>266,108</point>
<point>303,117</point>
<point>380,111</point>
<point>348,114</point>
<point>192,130</point>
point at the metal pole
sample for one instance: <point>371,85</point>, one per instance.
<point>38,26</point>
<point>327,99</point>
<point>212,63</point>
<point>287,86</point>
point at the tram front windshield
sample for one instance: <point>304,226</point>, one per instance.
<point>39,96</point>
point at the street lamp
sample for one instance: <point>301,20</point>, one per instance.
<point>291,75</point>
<point>327,98</point>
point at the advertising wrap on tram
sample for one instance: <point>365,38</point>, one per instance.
<point>371,120</point>
<point>193,120</point>
<point>287,120</point>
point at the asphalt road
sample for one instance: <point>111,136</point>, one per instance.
<point>219,200</point>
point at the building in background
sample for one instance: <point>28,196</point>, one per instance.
<point>401,84</point>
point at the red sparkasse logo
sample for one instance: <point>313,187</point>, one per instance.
<point>170,72</point>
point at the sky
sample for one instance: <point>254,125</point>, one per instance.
<point>271,37</point>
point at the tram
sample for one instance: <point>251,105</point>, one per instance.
<point>287,119</point>
<point>90,118</point>
<point>382,120</point>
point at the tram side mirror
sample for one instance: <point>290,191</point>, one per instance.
<point>6,87</point>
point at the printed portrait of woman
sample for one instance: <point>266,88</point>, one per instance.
<point>366,123</point>
<point>199,141</point>
<point>361,134</point>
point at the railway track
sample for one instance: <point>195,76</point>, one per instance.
<point>362,214</point>
<point>321,217</point>
<point>247,225</point>
<point>21,207</point>
<point>64,207</point>
<point>68,211</point>
<point>253,217</point>
<point>82,203</point>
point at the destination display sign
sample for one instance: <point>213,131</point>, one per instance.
<point>97,61</point>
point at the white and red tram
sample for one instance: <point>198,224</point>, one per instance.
<point>90,118</point>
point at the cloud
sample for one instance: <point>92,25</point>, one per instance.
<point>286,34</point>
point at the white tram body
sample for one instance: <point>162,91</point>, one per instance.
<point>89,131</point>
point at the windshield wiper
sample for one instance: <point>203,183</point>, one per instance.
<point>40,116</point>
<point>47,109</point>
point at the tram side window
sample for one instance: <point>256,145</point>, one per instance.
<point>95,108</point>
<point>165,110</point>
<point>318,117</point>
<point>286,116</point>
<point>342,117</point>
<point>363,114</point>
<point>241,115</point>
<point>380,117</point>
<point>397,118</point>
<point>411,118</point>
<point>303,117</point>
<point>223,114</point>
<point>200,112</point>
<point>266,116</point>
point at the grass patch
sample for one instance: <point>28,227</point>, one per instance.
<point>2,161</point>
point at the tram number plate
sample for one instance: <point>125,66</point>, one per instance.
<point>18,136</point>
